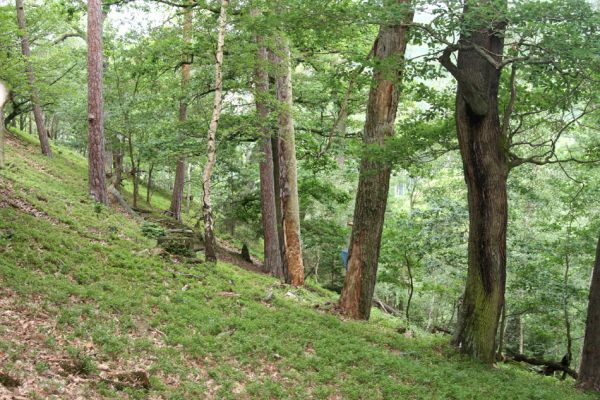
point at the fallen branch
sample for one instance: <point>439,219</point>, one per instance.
<point>386,308</point>
<point>550,366</point>
<point>117,195</point>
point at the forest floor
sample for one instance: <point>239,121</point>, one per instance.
<point>91,309</point>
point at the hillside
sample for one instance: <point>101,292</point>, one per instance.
<point>90,310</point>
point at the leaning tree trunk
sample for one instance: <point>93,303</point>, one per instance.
<point>589,371</point>
<point>272,254</point>
<point>374,177</point>
<point>287,165</point>
<point>35,97</point>
<point>210,241</point>
<point>179,185</point>
<point>485,165</point>
<point>96,174</point>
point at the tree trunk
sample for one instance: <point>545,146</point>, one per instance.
<point>287,165</point>
<point>278,210</point>
<point>188,197</point>
<point>589,371</point>
<point>210,242</point>
<point>374,176</point>
<point>118,167</point>
<point>179,185</point>
<point>149,185</point>
<point>272,254</point>
<point>97,176</point>
<point>35,97</point>
<point>485,165</point>
<point>134,171</point>
<point>3,100</point>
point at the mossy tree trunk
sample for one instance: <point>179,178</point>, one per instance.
<point>485,164</point>
<point>374,177</point>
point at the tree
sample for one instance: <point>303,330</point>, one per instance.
<point>487,140</point>
<point>180,171</point>
<point>290,205</point>
<point>210,242</point>
<point>374,177</point>
<point>3,100</point>
<point>272,251</point>
<point>480,137</point>
<point>97,176</point>
<point>589,371</point>
<point>35,96</point>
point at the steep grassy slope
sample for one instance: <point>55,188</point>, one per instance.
<point>85,301</point>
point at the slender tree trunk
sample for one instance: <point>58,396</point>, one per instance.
<point>589,371</point>
<point>35,97</point>
<point>179,185</point>
<point>134,171</point>
<point>210,242</point>
<point>272,253</point>
<point>287,165</point>
<point>374,176</point>
<point>118,167</point>
<point>188,197</point>
<point>501,334</point>
<point>149,185</point>
<point>521,336</point>
<point>482,147</point>
<point>3,100</point>
<point>97,176</point>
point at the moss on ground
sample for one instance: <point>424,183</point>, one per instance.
<point>85,297</point>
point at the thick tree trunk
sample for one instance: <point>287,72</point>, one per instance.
<point>287,165</point>
<point>278,210</point>
<point>35,97</point>
<point>589,371</point>
<point>210,242</point>
<point>97,176</point>
<point>272,253</point>
<point>374,177</point>
<point>179,185</point>
<point>482,147</point>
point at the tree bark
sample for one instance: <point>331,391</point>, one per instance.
<point>118,166</point>
<point>210,242</point>
<point>97,176</point>
<point>485,166</point>
<point>272,254</point>
<point>3,100</point>
<point>287,165</point>
<point>35,96</point>
<point>149,185</point>
<point>179,185</point>
<point>374,176</point>
<point>589,371</point>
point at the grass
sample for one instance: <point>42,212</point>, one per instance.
<point>81,286</point>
